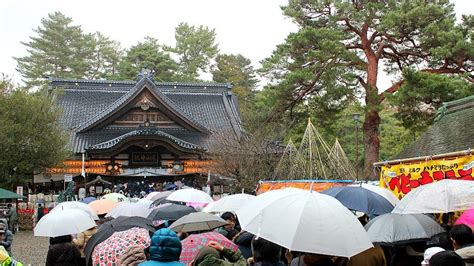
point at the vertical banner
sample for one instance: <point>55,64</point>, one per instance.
<point>402,178</point>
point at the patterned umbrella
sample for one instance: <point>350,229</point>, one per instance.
<point>109,251</point>
<point>193,244</point>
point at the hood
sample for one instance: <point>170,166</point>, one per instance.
<point>165,246</point>
<point>466,252</point>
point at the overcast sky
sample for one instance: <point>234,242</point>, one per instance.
<point>252,28</point>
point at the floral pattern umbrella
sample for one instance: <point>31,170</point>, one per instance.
<point>109,251</point>
<point>193,244</point>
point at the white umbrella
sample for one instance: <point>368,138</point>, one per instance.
<point>229,203</point>
<point>190,195</point>
<point>444,196</point>
<point>129,209</point>
<point>305,221</point>
<point>392,228</point>
<point>76,205</point>
<point>151,195</point>
<point>64,222</point>
<point>387,194</point>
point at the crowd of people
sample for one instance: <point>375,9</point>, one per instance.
<point>453,248</point>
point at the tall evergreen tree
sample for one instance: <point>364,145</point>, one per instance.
<point>148,54</point>
<point>195,47</point>
<point>347,43</point>
<point>60,49</point>
<point>105,59</point>
<point>237,70</point>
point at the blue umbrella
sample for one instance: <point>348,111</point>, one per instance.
<point>360,199</point>
<point>88,200</point>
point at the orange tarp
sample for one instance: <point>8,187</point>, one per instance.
<point>318,185</point>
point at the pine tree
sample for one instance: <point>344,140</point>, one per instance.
<point>59,49</point>
<point>195,47</point>
<point>148,54</point>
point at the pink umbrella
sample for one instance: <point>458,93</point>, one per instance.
<point>467,218</point>
<point>109,251</point>
<point>193,244</point>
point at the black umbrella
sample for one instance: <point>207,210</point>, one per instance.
<point>118,224</point>
<point>170,212</point>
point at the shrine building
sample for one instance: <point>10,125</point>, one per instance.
<point>122,130</point>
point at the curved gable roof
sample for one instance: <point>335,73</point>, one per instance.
<point>141,85</point>
<point>145,132</point>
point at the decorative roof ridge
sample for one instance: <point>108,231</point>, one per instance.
<point>129,96</point>
<point>454,106</point>
<point>144,132</point>
<point>131,82</point>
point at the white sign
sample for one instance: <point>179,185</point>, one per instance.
<point>67,178</point>
<point>19,190</point>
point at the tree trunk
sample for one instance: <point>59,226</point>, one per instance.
<point>371,142</point>
<point>372,118</point>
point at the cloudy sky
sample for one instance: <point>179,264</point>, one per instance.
<point>252,28</point>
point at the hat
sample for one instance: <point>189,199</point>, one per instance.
<point>429,253</point>
<point>2,228</point>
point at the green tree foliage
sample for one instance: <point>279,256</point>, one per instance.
<point>148,54</point>
<point>105,59</point>
<point>60,49</point>
<point>237,70</point>
<point>31,138</point>
<point>423,93</point>
<point>195,47</point>
<point>341,46</point>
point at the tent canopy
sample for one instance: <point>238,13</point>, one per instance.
<point>7,194</point>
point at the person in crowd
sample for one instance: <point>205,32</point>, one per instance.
<point>12,217</point>
<point>265,253</point>
<point>217,255</point>
<point>6,259</point>
<point>430,252</point>
<point>62,252</point>
<point>313,260</point>
<point>228,231</point>
<point>441,240</point>
<point>6,238</point>
<point>165,249</point>
<point>244,241</point>
<point>463,242</point>
<point>132,257</point>
<point>81,240</point>
<point>182,235</point>
<point>40,212</point>
<point>446,258</point>
<point>371,257</point>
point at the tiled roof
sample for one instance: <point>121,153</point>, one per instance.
<point>144,132</point>
<point>452,131</point>
<point>209,107</point>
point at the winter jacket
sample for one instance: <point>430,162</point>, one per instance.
<point>467,254</point>
<point>370,257</point>
<point>264,263</point>
<point>7,241</point>
<point>244,242</point>
<point>62,252</point>
<point>82,239</point>
<point>165,249</point>
<point>234,258</point>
